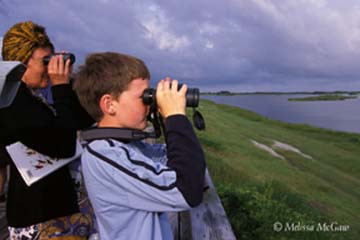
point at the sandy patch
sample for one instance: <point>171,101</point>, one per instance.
<point>267,148</point>
<point>288,147</point>
<point>279,145</point>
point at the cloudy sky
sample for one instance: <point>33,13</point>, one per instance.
<point>236,45</point>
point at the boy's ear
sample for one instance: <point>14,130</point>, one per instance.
<point>106,104</point>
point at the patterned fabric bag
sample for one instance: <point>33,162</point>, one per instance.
<point>77,226</point>
<point>74,227</point>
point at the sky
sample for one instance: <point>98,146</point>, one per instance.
<point>234,45</point>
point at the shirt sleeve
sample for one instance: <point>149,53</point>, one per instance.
<point>67,105</point>
<point>49,131</point>
<point>186,157</point>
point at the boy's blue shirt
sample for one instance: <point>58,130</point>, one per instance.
<point>132,185</point>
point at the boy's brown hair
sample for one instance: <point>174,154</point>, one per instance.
<point>106,73</point>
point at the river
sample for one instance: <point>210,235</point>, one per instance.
<point>336,115</point>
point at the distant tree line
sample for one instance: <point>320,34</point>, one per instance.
<point>229,93</point>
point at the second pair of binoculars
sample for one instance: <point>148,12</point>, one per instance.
<point>66,56</point>
<point>192,96</point>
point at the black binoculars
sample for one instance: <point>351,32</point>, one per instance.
<point>66,56</point>
<point>192,96</point>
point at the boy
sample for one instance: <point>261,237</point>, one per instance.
<point>131,183</point>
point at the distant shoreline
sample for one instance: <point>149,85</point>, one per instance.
<point>228,93</point>
<point>319,96</point>
<point>326,97</point>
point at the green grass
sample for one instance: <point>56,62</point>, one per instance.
<point>325,188</point>
<point>325,97</point>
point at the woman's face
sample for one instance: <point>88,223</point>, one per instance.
<point>36,75</point>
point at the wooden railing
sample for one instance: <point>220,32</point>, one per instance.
<point>206,221</point>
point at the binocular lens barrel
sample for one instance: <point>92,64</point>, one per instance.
<point>192,96</point>
<point>66,56</point>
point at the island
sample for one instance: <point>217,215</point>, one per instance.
<point>325,97</point>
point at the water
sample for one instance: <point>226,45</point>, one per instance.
<point>336,115</point>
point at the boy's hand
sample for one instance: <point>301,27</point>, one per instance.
<point>58,70</point>
<point>169,100</point>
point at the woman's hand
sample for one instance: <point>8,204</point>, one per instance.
<point>169,99</point>
<point>58,70</point>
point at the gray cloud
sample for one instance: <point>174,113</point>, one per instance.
<point>242,45</point>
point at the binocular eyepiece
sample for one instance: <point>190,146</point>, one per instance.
<point>192,96</point>
<point>66,56</point>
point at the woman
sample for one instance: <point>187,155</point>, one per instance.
<point>44,209</point>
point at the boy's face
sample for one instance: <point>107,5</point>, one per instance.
<point>130,111</point>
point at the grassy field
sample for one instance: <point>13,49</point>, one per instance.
<point>259,189</point>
